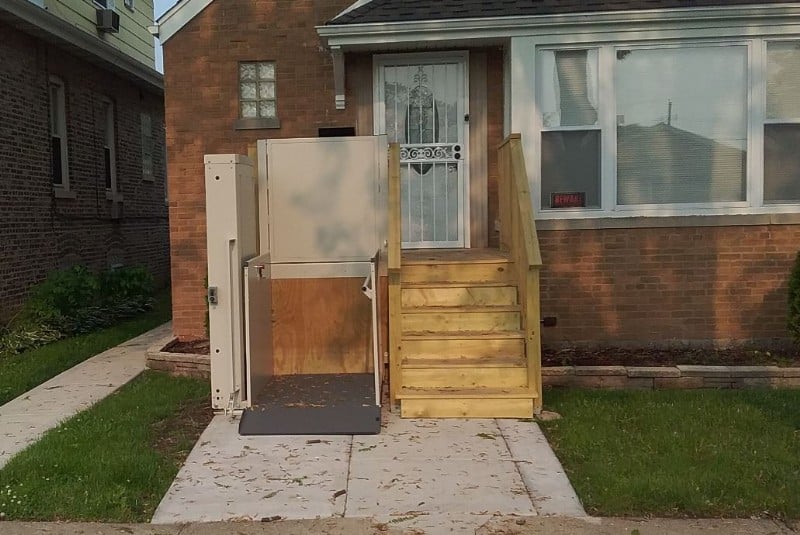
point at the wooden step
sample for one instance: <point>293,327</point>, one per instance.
<point>466,403</point>
<point>499,271</point>
<point>456,294</point>
<point>454,256</point>
<point>460,376</point>
<point>457,319</point>
<point>469,345</point>
<point>464,362</point>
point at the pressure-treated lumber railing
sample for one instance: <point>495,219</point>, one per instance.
<point>393,268</point>
<point>518,237</point>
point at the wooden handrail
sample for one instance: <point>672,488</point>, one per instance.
<point>518,236</point>
<point>512,146</point>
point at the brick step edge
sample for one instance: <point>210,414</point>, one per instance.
<point>178,364</point>
<point>671,377</point>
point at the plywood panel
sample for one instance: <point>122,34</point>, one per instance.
<point>321,326</point>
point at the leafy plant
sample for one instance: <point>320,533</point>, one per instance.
<point>76,301</point>
<point>794,300</point>
<point>126,283</point>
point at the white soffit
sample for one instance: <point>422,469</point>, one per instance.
<point>179,16</point>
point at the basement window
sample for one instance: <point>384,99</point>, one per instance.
<point>258,105</point>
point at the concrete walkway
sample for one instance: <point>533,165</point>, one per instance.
<point>438,476</point>
<point>24,419</point>
<point>357,526</point>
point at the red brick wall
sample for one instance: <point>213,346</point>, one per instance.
<point>39,233</point>
<point>201,66</point>
<point>655,285</point>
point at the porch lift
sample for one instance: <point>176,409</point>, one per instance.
<point>314,306</point>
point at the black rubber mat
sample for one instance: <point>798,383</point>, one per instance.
<point>338,404</point>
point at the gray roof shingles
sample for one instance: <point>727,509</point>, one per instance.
<point>420,10</point>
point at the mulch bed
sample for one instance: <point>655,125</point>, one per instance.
<point>614,356</point>
<point>194,347</point>
<point>609,356</point>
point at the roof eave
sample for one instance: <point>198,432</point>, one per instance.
<point>493,28</point>
<point>40,23</point>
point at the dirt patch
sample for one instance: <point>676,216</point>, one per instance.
<point>195,347</point>
<point>175,436</point>
<point>740,356</point>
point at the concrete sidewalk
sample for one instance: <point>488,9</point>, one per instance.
<point>24,419</point>
<point>416,474</point>
<point>365,526</point>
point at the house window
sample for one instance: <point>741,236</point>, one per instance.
<point>130,5</point>
<point>146,121</point>
<point>669,128</point>
<point>782,125</point>
<point>681,124</point>
<point>571,142</point>
<point>59,164</point>
<point>257,90</point>
<point>109,145</point>
<point>106,4</point>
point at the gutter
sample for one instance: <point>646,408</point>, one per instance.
<point>34,20</point>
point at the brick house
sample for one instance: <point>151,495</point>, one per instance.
<point>659,140</point>
<point>82,151</point>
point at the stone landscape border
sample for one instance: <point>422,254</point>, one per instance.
<point>671,377</point>
<point>178,364</point>
<point>608,377</point>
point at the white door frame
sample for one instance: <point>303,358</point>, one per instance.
<point>379,61</point>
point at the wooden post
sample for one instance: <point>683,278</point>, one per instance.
<point>395,303</point>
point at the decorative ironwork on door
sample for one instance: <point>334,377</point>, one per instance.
<point>424,110</point>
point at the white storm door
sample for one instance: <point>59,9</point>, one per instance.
<point>421,103</point>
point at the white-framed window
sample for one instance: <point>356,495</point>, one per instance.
<point>130,5</point>
<point>257,96</point>
<point>108,129</point>
<point>107,4</point>
<point>146,123</point>
<point>58,133</point>
<point>668,128</point>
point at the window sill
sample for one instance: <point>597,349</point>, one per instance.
<point>113,196</point>
<point>63,193</point>
<point>668,221</point>
<point>256,124</point>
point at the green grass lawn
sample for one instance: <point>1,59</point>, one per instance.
<point>113,462</point>
<point>699,453</point>
<point>20,373</point>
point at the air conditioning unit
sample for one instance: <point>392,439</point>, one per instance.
<point>107,20</point>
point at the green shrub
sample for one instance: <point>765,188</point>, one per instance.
<point>125,284</point>
<point>75,301</point>
<point>62,293</point>
<point>794,301</point>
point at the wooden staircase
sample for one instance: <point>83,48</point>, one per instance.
<point>464,337</point>
<point>463,349</point>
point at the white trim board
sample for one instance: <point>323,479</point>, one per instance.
<point>179,16</point>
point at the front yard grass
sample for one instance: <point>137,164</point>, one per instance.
<point>702,453</point>
<point>113,462</point>
<point>19,373</point>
